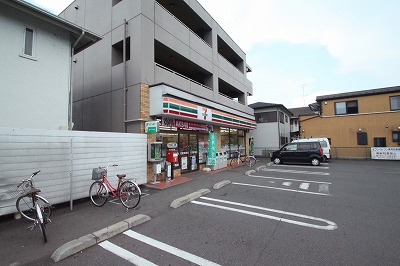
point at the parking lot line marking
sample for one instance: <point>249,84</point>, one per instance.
<point>125,254</point>
<point>170,249</point>
<point>284,189</point>
<point>290,179</point>
<point>321,166</point>
<point>304,186</point>
<point>293,171</point>
<point>323,188</point>
<point>330,225</point>
<point>288,184</point>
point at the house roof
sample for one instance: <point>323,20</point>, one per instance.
<point>358,93</point>
<point>259,105</point>
<point>81,42</point>
<point>301,111</point>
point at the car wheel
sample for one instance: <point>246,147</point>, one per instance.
<point>315,161</point>
<point>277,161</point>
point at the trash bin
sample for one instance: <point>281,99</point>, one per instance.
<point>168,171</point>
<point>216,165</point>
<point>220,160</point>
<point>225,164</point>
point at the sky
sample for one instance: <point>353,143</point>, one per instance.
<point>300,49</point>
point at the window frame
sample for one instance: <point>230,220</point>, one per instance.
<point>398,102</point>
<point>347,103</point>
<point>33,43</point>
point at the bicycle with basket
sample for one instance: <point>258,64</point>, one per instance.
<point>31,205</point>
<point>127,191</point>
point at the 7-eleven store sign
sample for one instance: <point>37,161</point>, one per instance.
<point>184,109</point>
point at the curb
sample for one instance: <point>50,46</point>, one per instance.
<point>221,184</point>
<point>188,198</point>
<point>89,240</point>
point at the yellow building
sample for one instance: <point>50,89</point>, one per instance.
<point>355,121</point>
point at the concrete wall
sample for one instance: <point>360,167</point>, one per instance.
<point>66,160</point>
<point>34,91</point>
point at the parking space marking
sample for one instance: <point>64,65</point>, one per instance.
<point>125,254</point>
<point>288,184</point>
<point>293,171</point>
<point>330,225</point>
<point>284,189</point>
<point>304,186</point>
<point>321,166</point>
<point>290,179</point>
<point>170,249</point>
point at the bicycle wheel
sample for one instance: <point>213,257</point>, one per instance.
<point>26,207</point>
<point>40,219</point>
<point>250,161</point>
<point>129,194</point>
<point>98,193</point>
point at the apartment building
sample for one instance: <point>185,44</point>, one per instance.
<point>273,127</point>
<point>166,61</point>
<point>356,121</point>
<point>36,54</point>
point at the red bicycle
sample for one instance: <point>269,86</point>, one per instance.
<point>127,191</point>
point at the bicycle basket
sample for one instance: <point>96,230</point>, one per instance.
<point>98,173</point>
<point>18,191</point>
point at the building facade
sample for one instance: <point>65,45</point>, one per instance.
<point>294,120</point>
<point>273,127</point>
<point>166,61</point>
<point>356,121</point>
<point>36,53</point>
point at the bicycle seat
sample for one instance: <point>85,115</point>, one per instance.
<point>121,176</point>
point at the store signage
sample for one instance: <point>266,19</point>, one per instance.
<point>212,149</point>
<point>170,122</point>
<point>204,113</point>
<point>387,153</point>
<point>172,145</point>
<point>151,127</point>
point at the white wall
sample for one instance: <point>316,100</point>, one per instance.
<point>65,158</point>
<point>34,92</point>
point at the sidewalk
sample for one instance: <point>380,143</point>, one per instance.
<point>21,246</point>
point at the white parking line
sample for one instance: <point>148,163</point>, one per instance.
<point>293,171</point>
<point>125,254</point>
<point>288,184</point>
<point>284,189</point>
<point>321,166</point>
<point>330,225</point>
<point>290,179</point>
<point>170,249</point>
<point>304,186</point>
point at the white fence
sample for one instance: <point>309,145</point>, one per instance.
<point>66,160</point>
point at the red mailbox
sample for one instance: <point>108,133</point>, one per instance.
<point>172,156</point>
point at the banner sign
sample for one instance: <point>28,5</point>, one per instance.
<point>212,149</point>
<point>385,153</point>
<point>171,122</point>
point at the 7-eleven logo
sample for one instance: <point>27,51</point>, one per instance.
<point>204,113</point>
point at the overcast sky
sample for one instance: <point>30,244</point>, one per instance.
<point>299,49</point>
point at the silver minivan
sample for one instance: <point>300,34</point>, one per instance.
<point>326,147</point>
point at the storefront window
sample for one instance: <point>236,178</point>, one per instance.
<point>203,148</point>
<point>232,140</point>
<point>168,138</point>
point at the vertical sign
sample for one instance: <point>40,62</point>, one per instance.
<point>212,148</point>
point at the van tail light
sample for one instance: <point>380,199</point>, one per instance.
<point>320,152</point>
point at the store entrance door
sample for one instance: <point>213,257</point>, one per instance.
<point>188,150</point>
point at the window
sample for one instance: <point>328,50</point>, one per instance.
<point>395,136</point>
<point>362,138</point>
<point>267,117</point>
<point>394,103</point>
<point>343,108</point>
<point>232,140</point>
<point>291,147</point>
<point>281,117</point>
<point>29,43</point>
<point>379,142</point>
<point>118,52</point>
<point>286,119</point>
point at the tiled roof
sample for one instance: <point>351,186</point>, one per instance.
<point>301,111</point>
<point>259,105</point>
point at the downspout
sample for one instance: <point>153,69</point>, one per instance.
<point>125,77</point>
<point>70,125</point>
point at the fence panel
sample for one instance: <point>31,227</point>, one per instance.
<point>66,160</point>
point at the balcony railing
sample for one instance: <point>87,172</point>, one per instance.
<point>183,24</point>
<point>230,98</point>
<point>182,76</point>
